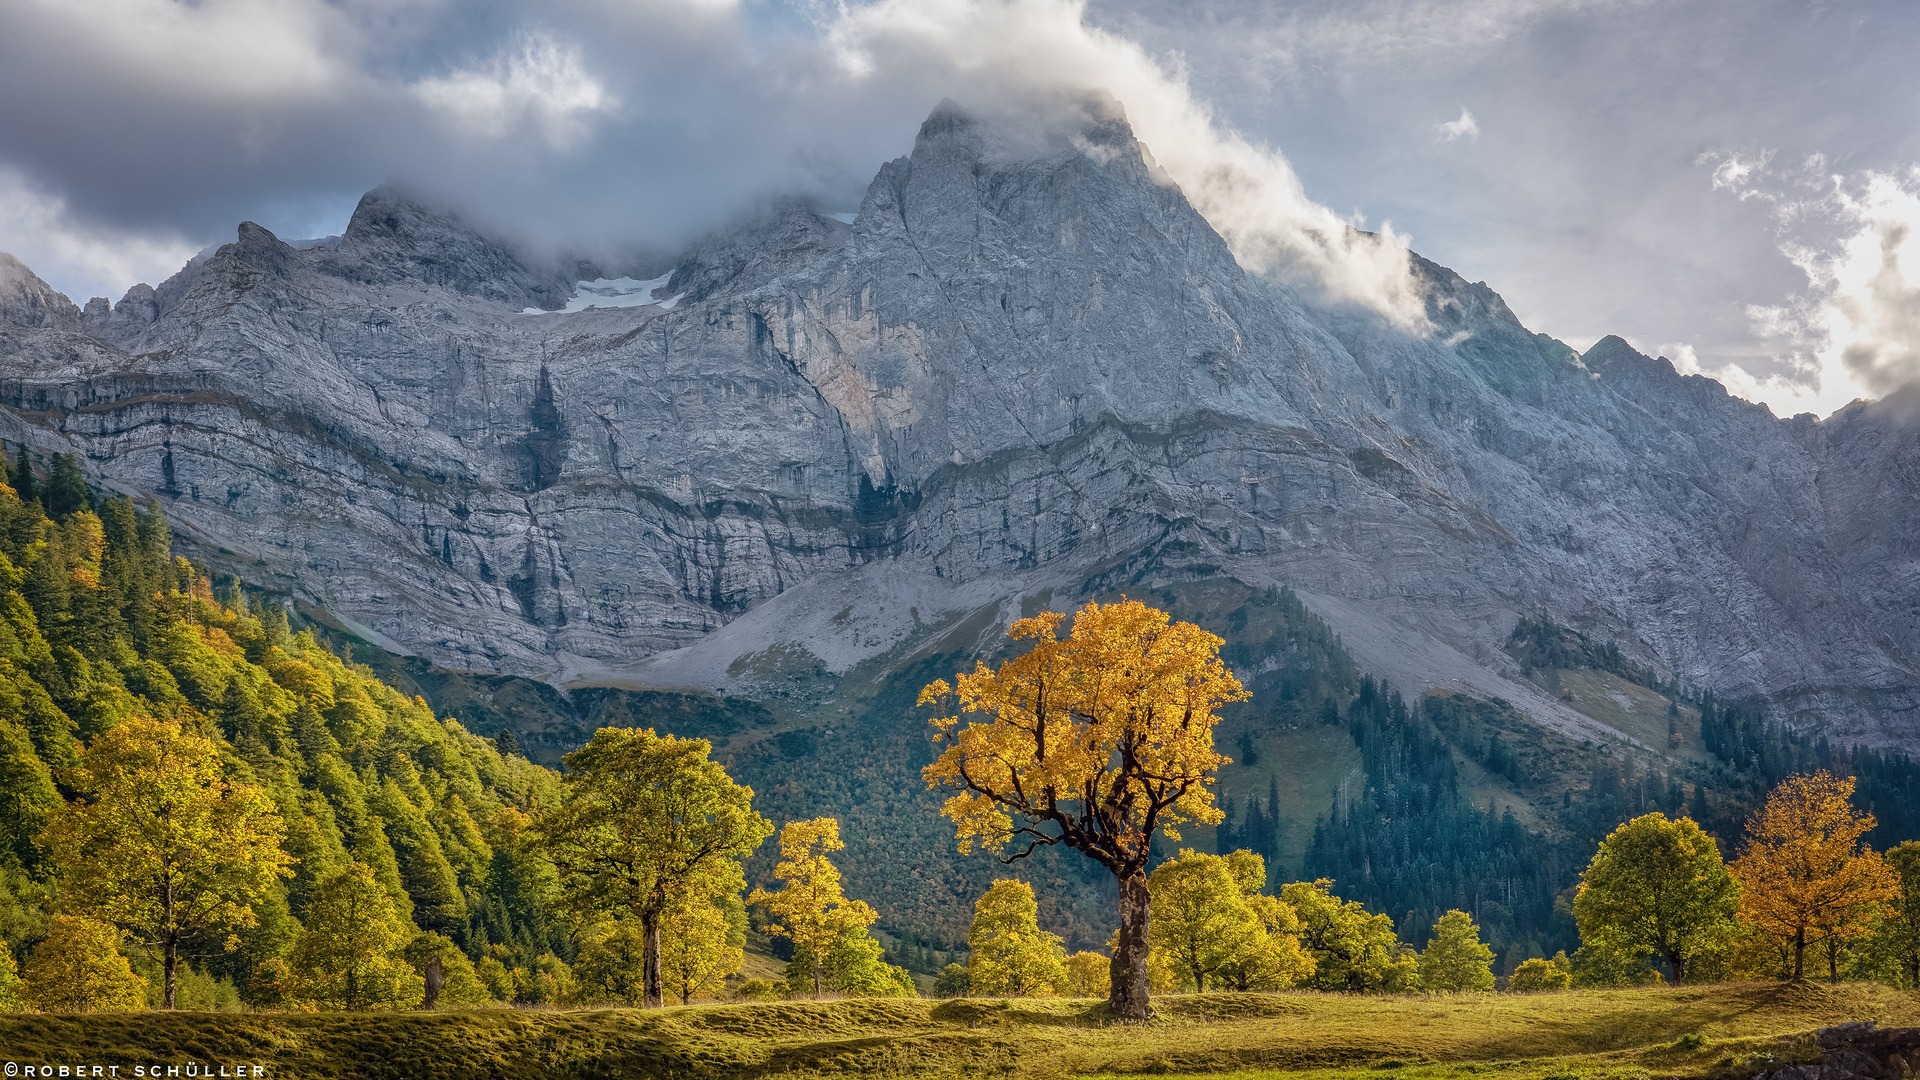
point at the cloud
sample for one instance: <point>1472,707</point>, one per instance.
<point>1855,331</point>
<point>641,121</point>
<point>541,88</point>
<point>40,232</point>
<point>1464,128</point>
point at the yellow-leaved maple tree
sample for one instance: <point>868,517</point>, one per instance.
<point>812,909</point>
<point>1095,742</point>
<point>1804,873</point>
<point>161,845</point>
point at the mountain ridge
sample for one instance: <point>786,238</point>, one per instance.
<point>1013,373</point>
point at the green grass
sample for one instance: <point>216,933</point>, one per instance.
<point>1724,1031</point>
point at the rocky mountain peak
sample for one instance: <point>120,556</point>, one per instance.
<point>28,302</point>
<point>396,237</point>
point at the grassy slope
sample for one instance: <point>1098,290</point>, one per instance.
<point>1626,1033</point>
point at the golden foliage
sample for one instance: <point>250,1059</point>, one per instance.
<point>1805,874</point>
<point>164,846</point>
<point>78,968</point>
<point>1009,955</point>
<point>1097,740</point>
<point>812,909</point>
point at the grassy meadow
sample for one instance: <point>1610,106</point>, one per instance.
<point>1731,1030</point>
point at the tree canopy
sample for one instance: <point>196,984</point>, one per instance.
<point>1805,871</point>
<point>162,845</point>
<point>1096,742</point>
<point>648,820</point>
<point>1455,959</point>
<point>1657,886</point>
<point>1010,956</point>
<point>812,910</point>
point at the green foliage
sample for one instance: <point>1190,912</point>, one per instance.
<point>349,955</point>
<point>1596,967</point>
<point>10,986</point>
<point>954,981</point>
<point>1354,950</point>
<point>1010,956</point>
<point>161,845</point>
<point>1894,949</point>
<point>1659,887</point>
<point>648,822</point>
<point>100,625</point>
<point>1210,922</point>
<point>850,964</point>
<point>1536,975</point>
<point>1454,959</point>
<point>461,985</point>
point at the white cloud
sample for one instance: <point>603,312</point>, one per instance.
<point>41,233</point>
<point>542,85</point>
<point>1248,192</point>
<point>1466,127</point>
<point>1855,331</point>
<point>609,120</point>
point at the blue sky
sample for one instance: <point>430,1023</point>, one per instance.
<point>1729,183</point>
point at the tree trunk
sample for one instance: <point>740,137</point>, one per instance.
<point>813,962</point>
<point>172,960</point>
<point>1679,965</point>
<point>1128,996</point>
<point>1833,959</point>
<point>1800,953</point>
<point>652,997</point>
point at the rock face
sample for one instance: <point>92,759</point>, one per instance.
<point>1035,374</point>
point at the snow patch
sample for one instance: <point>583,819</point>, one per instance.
<point>613,293</point>
<point>844,218</point>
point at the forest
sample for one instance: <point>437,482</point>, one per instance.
<point>359,851</point>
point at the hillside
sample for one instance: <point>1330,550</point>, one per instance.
<point>1731,1030</point>
<point>102,623</point>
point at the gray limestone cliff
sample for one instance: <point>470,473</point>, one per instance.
<point>1017,376</point>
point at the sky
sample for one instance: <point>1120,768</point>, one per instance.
<point>1734,184</point>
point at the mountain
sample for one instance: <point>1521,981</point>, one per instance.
<point>1028,371</point>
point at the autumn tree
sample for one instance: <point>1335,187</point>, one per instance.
<point>1805,873</point>
<point>10,988</point>
<point>1455,959</point>
<point>1095,742</point>
<point>1211,922</point>
<point>78,968</point>
<point>163,846</point>
<point>811,908</point>
<point>349,956</point>
<point>702,941</point>
<point>1354,950</point>
<point>1010,955</point>
<point>1533,976</point>
<point>1897,939</point>
<point>1657,886</point>
<point>647,821</point>
<point>1088,974</point>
